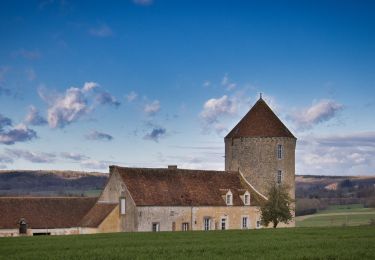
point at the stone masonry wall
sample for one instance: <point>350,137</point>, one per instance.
<point>257,160</point>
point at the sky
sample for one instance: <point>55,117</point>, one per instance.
<point>149,83</point>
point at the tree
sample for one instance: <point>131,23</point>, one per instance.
<point>278,206</point>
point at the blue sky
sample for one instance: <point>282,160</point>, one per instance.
<point>146,83</point>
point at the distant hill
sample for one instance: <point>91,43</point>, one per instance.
<point>51,183</point>
<point>73,183</point>
<point>334,186</point>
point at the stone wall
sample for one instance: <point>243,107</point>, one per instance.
<point>113,191</point>
<point>172,218</point>
<point>111,223</point>
<point>256,157</point>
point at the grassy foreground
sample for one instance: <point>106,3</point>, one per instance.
<point>293,243</point>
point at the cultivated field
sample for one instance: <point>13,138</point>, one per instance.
<point>340,215</point>
<point>293,243</point>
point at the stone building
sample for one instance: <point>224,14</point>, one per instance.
<point>42,216</point>
<point>259,151</point>
<point>262,148</point>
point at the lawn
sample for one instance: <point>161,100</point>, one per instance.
<point>291,243</point>
<point>340,215</point>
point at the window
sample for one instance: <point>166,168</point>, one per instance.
<point>207,223</point>
<point>259,224</point>
<point>229,198</point>
<point>279,151</point>
<point>245,222</point>
<point>155,227</point>
<point>279,177</point>
<point>122,206</point>
<point>173,226</point>
<point>223,224</point>
<point>185,226</point>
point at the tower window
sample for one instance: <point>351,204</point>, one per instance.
<point>279,176</point>
<point>279,151</point>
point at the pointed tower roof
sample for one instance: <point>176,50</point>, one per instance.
<point>260,121</point>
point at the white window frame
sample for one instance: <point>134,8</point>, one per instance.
<point>258,224</point>
<point>206,223</point>
<point>122,206</point>
<point>279,176</point>
<point>229,198</point>
<point>280,151</point>
<point>247,203</point>
<point>247,222</point>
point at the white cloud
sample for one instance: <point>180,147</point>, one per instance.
<point>216,107</point>
<point>34,118</point>
<point>102,30</point>
<point>131,96</point>
<point>319,112</point>
<point>213,110</point>
<point>95,164</point>
<point>75,103</point>
<point>74,156</point>
<point>88,86</point>
<point>152,108</point>
<point>67,108</point>
<point>35,157</point>
<point>349,154</point>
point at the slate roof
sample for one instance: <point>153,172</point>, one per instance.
<point>260,121</point>
<point>97,214</point>
<point>181,187</point>
<point>44,212</point>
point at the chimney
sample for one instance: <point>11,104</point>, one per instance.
<point>172,167</point>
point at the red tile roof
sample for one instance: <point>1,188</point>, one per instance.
<point>181,187</point>
<point>260,121</point>
<point>41,212</point>
<point>97,214</point>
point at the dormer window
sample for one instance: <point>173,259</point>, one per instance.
<point>229,198</point>
<point>246,198</point>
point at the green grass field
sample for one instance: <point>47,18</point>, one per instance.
<point>340,215</point>
<point>292,243</point>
